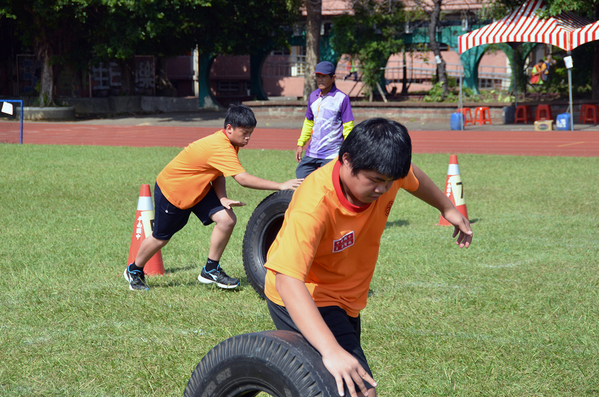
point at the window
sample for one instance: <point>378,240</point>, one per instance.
<point>227,86</point>
<point>298,61</point>
<point>282,51</point>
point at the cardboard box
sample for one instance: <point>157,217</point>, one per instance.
<point>544,125</point>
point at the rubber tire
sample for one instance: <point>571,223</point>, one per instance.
<point>280,363</point>
<point>260,232</point>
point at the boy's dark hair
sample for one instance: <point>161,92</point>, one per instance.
<point>379,145</point>
<point>240,116</point>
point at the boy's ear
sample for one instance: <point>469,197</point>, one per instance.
<point>228,128</point>
<point>346,160</point>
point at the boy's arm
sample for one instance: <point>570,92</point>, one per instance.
<point>253,182</point>
<point>429,193</point>
<point>220,188</point>
<point>304,313</point>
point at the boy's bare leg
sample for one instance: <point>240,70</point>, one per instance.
<point>147,249</point>
<point>225,221</point>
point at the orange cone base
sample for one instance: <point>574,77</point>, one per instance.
<point>142,228</point>
<point>155,266</point>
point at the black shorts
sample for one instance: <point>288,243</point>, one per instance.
<point>346,329</point>
<point>169,219</point>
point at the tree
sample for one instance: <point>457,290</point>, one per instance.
<point>434,15</point>
<point>589,8</point>
<point>313,26</point>
<point>372,34</point>
<point>71,32</point>
<point>53,28</point>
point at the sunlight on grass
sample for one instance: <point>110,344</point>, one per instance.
<point>515,315</point>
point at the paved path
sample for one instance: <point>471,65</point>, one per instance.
<point>180,129</point>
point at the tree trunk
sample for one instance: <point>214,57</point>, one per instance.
<point>127,76</point>
<point>314,20</point>
<point>404,78</point>
<point>595,76</point>
<point>164,87</point>
<point>432,35</point>
<point>44,53</point>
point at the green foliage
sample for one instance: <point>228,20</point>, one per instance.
<point>371,35</point>
<point>75,31</point>
<point>436,93</point>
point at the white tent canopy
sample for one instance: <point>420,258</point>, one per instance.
<point>566,31</point>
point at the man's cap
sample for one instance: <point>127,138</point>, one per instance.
<point>325,68</point>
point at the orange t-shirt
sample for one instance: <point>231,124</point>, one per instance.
<point>329,243</point>
<point>188,177</point>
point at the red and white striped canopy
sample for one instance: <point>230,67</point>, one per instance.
<point>566,30</point>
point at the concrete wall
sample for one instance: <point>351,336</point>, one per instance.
<point>400,111</point>
<point>132,104</point>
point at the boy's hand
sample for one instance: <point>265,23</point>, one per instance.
<point>298,153</point>
<point>291,184</point>
<point>345,368</point>
<point>228,203</point>
<point>462,227</point>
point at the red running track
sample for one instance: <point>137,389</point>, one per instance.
<point>521,143</point>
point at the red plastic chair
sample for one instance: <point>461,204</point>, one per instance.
<point>467,116</point>
<point>543,113</point>
<point>589,113</point>
<point>523,114</point>
<point>482,115</point>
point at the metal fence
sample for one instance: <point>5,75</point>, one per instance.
<point>420,72</point>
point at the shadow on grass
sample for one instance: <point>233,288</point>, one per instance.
<point>397,223</point>
<point>181,269</point>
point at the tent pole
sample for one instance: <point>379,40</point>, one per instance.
<point>570,93</point>
<point>514,83</point>
<point>461,105</point>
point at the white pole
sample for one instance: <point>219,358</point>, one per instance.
<point>571,106</point>
<point>461,104</point>
<point>570,92</point>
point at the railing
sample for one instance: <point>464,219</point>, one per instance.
<point>417,71</point>
<point>425,71</point>
<point>295,67</point>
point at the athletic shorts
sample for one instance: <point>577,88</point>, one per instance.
<point>169,219</point>
<point>309,165</point>
<point>346,329</point>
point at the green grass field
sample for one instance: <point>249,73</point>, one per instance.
<point>517,314</point>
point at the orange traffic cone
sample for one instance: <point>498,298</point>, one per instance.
<point>454,189</point>
<point>144,223</point>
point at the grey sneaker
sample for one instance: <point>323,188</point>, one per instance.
<point>136,279</point>
<point>219,277</point>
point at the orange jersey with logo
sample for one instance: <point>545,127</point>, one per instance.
<point>329,243</point>
<point>188,177</point>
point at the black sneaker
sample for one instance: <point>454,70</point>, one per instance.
<point>219,277</point>
<point>137,280</point>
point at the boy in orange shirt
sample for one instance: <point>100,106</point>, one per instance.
<point>194,181</point>
<point>332,230</point>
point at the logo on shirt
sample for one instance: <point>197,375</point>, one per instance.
<point>388,209</point>
<point>343,242</point>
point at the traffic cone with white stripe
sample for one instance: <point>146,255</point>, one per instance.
<point>454,189</point>
<point>144,223</point>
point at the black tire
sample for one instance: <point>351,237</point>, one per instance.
<point>280,363</point>
<point>260,232</point>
